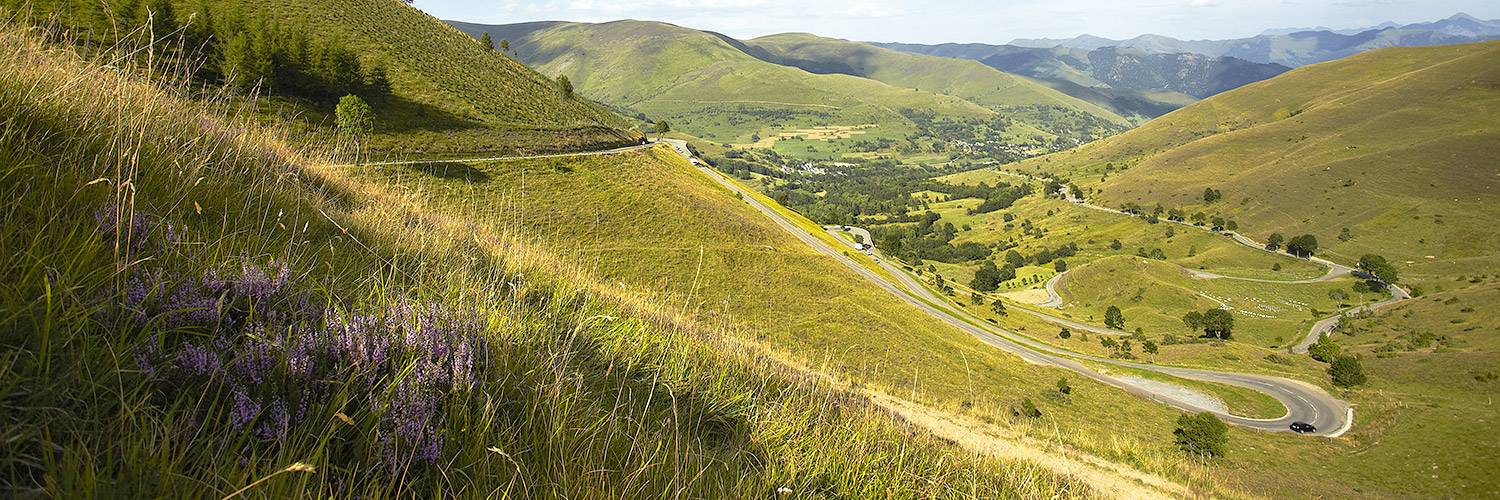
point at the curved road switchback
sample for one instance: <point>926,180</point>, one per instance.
<point>1335,271</point>
<point>1304,402</point>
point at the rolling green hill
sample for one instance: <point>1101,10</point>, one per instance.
<point>447,93</point>
<point>717,88</point>
<point>704,84</point>
<point>970,80</point>
<point>1387,152</point>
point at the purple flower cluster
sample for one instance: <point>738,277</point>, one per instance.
<point>272,351</point>
<point>136,230</point>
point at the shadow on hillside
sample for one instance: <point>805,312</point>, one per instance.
<point>453,172</point>
<point>398,115</point>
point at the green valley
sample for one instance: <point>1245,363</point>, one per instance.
<point>737,93</point>
<point>351,249</point>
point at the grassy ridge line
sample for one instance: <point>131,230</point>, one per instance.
<point>434,63</point>
<point>706,84</point>
<point>561,361</point>
<point>967,79</point>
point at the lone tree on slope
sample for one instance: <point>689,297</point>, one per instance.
<point>354,119</point>
<point>1218,323</point>
<point>487,42</point>
<point>1378,267</point>
<point>1274,242</point>
<point>1113,318</point>
<point>1303,246</point>
<point>1202,434</point>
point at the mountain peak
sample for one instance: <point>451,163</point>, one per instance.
<point>1463,17</point>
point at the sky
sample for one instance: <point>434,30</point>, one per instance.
<point>998,21</point>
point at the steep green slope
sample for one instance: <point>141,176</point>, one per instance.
<point>1385,152</point>
<point>447,93</point>
<point>702,83</point>
<point>190,308</point>
<point>973,81</point>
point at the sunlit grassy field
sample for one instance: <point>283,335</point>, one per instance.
<point>1390,144</point>
<point>1155,295</point>
<point>726,264</point>
<point>196,309</point>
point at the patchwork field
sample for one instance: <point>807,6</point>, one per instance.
<point>824,134</point>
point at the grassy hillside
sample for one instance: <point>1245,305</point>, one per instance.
<point>704,84</point>
<point>447,93</point>
<point>1385,149</point>
<point>728,92</point>
<point>1391,145</point>
<point>650,224</point>
<point>967,79</point>
<point>197,309</point>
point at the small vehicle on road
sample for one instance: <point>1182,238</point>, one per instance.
<point>1303,427</point>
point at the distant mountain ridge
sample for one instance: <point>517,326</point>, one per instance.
<point>1298,48</point>
<point>738,92</point>
<point>1130,81</point>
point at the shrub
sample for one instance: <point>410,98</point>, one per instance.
<point>1202,434</point>
<point>1029,409</point>
<point>1278,359</point>
<point>1324,350</point>
<point>1346,371</point>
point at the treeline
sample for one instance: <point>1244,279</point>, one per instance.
<point>1156,214</point>
<point>928,241</point>
<point>867,191</point>
<point>1000,197</point>
<point>218,46</point>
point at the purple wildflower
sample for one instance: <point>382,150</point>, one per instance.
<point>189,306</point>
<point>276,424</point>
<point>244,410</point>
<point>259,286</point>
<point>432,450</point>
<point>144,364</point>
<point>198,360</point>
<point>255,363</point>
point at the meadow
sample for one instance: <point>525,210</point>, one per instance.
<point>199,309</point>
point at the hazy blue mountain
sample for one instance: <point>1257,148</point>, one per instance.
<point>1132,82</point>
<point>1295,47</point>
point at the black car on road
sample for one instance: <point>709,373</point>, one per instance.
<point>1303,427</point>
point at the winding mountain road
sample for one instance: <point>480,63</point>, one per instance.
<point>1304,402</point>
<point>1335,271</point>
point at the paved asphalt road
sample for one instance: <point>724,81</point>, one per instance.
<point>1304,402</point>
